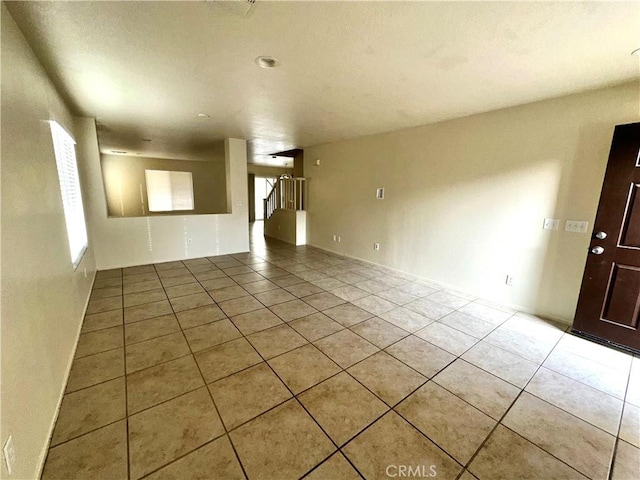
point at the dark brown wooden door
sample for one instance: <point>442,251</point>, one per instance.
<point>609,303</point>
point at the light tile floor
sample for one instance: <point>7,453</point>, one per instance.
<point>290,362</point>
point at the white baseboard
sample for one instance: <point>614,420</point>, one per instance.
<point>45,451</point>
<point>517,308</point>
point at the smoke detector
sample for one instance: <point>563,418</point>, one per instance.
<point>267,62</point>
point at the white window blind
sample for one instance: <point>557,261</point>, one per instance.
<point>64,147</point>
<point>169,191</point>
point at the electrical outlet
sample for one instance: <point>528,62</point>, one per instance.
<point>9,454</point>
<point>380,193</point>
<point>376,246</point>
<point>339,239</point>
<point>551,224</point>
<point>335,238</point>
<point>509,280</point>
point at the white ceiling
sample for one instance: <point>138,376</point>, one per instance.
<point>146,69</point>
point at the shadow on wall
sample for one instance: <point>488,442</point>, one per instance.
<point>567,252</point>
<point>490,227</point>
<point>547,265</point>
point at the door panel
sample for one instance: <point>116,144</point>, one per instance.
<point>630,236</point>
<point>609,302</point>
<point>621,304</point>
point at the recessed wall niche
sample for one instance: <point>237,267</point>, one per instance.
<point>127,193</point>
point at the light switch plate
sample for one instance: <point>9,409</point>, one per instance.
<point>551,224</point>
<point>576,226</point>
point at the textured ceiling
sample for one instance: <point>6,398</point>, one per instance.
<point>146,69</point>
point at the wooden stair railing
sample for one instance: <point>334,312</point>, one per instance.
<point>286,194</point>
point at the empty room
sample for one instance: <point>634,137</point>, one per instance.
<point>251,239</point>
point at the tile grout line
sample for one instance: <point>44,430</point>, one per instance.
<point>388,409</point>
<point>126,392</point>
<point>251,366</point>
<point>84,434</point>
<point>127,374</point>
<point>342,369</point>
<point>185,393</point>
<point>584,385</point>
<point>431,379</point>
<point>285,322</point>
<point>618,439</point>
<point>224,427</point>
<point>262,413</point>
<point>505,426</point>
<point>296,399</point>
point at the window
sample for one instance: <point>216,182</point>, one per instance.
<point>64,147</point>
<point>169,191</point>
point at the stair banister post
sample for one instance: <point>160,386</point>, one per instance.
<point>279,193</point>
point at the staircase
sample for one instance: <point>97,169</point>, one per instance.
<point>285,217</point>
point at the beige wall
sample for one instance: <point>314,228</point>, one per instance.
<point>288,226</point>
<point>43,299</point>
<point>298,164</point>
<point>465,199</point>
<point>127,241</point>
<point>124,179</point>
